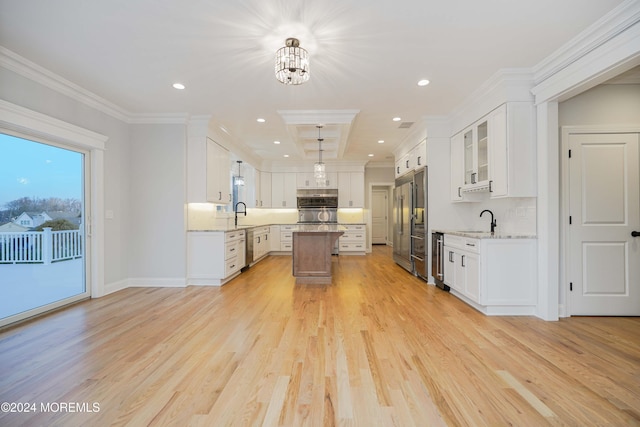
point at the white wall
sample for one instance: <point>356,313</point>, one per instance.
<point>24,92</point>
<point>607,104</point>
<point>158,193</point>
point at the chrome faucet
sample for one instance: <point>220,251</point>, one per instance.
<point>493,221</point>
<point>235,209</point>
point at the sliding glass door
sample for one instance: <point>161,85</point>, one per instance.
<point>42,227</point>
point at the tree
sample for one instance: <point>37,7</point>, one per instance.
<point>34,204</point>
<point>57,225</point>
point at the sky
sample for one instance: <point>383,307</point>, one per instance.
<point>31,169</point>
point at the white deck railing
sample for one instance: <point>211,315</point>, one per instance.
<point>40,247</point>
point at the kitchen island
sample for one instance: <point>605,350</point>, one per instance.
<point>312,247</point>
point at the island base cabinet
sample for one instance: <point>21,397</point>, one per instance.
<point>495,276</point>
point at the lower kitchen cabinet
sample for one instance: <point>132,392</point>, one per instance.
<point>354,240</point>
<point>261,242</point>
<point>497,276</point>
<point>214,257</point>
<point>286,238</point>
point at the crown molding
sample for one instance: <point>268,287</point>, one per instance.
<point>23,120</point>
<point>597,34</point>
<point>34,72</point>
<point>506,85</point>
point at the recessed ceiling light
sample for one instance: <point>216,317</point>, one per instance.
<point>286,155</point>
<point>178,86</point>
<point>396,119</point>
<point>260,120</point>
<point>276,142</point>
<point>370,155</point>
<point>381,141</point>
<point>423,82</point>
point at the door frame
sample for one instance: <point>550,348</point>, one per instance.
<point>24,123</point>
<point>386,222</point>
<point>565,254</point>
<point>369,217</point>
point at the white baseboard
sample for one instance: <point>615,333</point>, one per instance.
<point>112,287</point>
<point>155,282</point>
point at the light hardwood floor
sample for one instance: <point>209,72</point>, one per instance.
<point>378,347</point>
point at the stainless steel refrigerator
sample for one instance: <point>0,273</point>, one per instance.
<point>419,242</point>
<point>402,224</point>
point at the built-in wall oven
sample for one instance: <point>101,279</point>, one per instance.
<point>318,206</point>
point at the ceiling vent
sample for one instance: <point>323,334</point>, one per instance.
<point>405,125</point>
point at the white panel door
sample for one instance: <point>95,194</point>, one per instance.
<point>379,209</point>
<point>604,204</point>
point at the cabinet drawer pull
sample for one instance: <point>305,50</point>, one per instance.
<point>490,184</point>
<point>471,244</point>
<point>463,256</point>
<point>450,256</point>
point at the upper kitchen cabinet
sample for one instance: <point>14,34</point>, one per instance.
<point>350,189</point>
<point>457,167</point>
<point>496,155</point>
<point>476,156</point>
<point>265,190</point>
<point>307,180</point>
<point>209,168</point>
<point>218,173</point>
<point>283,190</point>
<point>416,158</point>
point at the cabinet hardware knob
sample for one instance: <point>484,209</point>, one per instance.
<point>635,233</point>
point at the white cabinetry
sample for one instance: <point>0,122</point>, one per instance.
<point>350,189</point>
<point>404,164</point>
<point>218,173</point>
<point>419,155</point>
<point>461,265</point>
<point>476,156</point>
<point>457,170</point>
<point>283,190</point>
<point>261,242</point>
<point>512,159</point>
<point>214,257</point>
<point>414,159</point>
<point>265,190</point>
<point>274,238</point>
<point>354,240</point>
<point>496,276</point>
<point>496,154</point>
<point>307,180</point>
<point>286,237</point>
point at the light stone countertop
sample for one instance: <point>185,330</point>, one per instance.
<point>309,227</point>
<point>486,234</point>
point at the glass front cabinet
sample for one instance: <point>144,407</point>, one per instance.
<point>476,156</point>
<point>496,155</point>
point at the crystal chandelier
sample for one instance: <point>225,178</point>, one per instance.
<point>292,63</point>
<point>319,172</point>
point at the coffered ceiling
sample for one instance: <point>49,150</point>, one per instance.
<point>366,58</point>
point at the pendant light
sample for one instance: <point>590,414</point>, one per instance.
<point>319,172</point>
<point>238,180</point>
